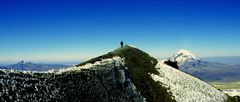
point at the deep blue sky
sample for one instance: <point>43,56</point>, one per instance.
<point>75,30</point>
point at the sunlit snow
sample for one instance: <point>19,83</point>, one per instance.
<point>186,88</point>
<point>115,59</point>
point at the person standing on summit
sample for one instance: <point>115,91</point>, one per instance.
<point>121,43</point>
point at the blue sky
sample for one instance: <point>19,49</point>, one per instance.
<point>76,30</point>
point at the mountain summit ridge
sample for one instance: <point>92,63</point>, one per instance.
<point>125,74</point>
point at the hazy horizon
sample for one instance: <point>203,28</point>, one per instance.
<point>77,61</point>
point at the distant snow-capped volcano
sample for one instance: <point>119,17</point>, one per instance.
<point>185,58</point>
<point>208,71</point>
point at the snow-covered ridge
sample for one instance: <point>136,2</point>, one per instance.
<point>116,59</point>
<point>105,80</point>
<point>186,88</point>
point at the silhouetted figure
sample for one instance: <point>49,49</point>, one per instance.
<point>121,44</point>
<point>172,64</point>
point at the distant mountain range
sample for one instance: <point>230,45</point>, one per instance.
<point>33,66</point>
<point>206,70</point>
<point>230,60</point>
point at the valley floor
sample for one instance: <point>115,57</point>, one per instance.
<point>231,88</point>
<point>232,92</point>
